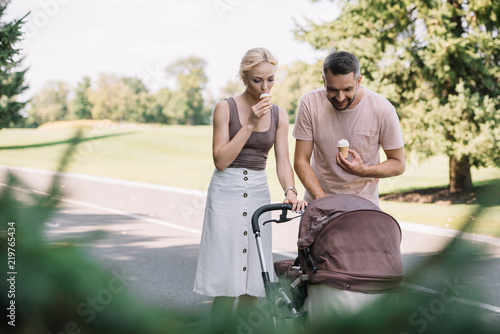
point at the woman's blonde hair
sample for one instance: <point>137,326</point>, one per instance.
<point>254,57</point>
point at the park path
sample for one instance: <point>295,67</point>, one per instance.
<point>153,236</point>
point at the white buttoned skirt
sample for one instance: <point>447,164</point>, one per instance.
<point>228,261</point>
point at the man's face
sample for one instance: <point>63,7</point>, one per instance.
<point>341,89</point>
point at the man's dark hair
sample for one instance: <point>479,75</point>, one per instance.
<point>342,63</point>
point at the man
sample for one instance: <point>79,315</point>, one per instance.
<point>343,109</point>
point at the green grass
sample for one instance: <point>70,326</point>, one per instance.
<point>176,156</point>
<point>181,156</point>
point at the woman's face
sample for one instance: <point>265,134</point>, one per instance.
<point>260,79</point>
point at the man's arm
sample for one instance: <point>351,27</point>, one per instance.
<point>394,165</point>
<point>302,166</point>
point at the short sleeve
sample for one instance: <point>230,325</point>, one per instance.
<point>391,136</point>
<point>303,129</point>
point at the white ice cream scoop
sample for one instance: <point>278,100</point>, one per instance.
<point>343,143</point>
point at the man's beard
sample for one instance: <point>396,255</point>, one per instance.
<point>334,104</point>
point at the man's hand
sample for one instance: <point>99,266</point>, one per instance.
<point>354,167</point>
<point>393,166</point>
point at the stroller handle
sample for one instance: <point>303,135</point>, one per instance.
<point>265,208</point>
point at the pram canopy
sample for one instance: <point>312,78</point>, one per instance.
<point>349,243</point>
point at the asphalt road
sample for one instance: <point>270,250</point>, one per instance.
<point>153,235</point>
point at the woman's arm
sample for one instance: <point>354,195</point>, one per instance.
<point>224,151</point>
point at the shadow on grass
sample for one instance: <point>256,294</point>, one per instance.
<point>61,142</point>
<point>442,195</point>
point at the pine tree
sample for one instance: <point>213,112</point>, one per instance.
<point>11,80</point>
<point>438,62</point>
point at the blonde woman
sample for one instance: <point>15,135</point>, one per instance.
<point>245,128</point>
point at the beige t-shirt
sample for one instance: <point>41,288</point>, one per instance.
<point>369,125</point>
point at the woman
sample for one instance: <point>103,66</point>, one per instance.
<point>244,130</point>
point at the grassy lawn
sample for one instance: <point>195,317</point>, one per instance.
<point>181,156</point>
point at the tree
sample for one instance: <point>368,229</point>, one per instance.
<point>191,82</point>
<point>292,82</point>
<point>135,84</point>
<point>232,88</point>
<point>149,109</point>
<point>110,98</point>
<point>136,102</point>
<point>123,99</point>
<point>163,103</point>
<point>11,80</point>
<point>80,107</point>
<point>438,62</point>
<point>50,104</point>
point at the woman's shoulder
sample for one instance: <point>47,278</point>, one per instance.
<point>281,113</point>
<point>222,105</point>
<point>223,102</point>
<point>281,110</point>
<point>221,110</point>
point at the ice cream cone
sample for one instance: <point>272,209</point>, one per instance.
<point>343,146</point>
<point>344,150</point>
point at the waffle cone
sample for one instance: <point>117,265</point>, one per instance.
<point>344,150</point>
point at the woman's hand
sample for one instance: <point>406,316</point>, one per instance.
<point>259,110</point>
<point>298,205</point>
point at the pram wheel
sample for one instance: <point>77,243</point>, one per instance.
<point>291,275</point>
<point>285,312</point>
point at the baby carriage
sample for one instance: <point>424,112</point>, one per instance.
<point>345,242</point>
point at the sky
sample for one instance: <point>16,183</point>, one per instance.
<point>69,39</point>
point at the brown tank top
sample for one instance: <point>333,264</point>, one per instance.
<point>254,154</point>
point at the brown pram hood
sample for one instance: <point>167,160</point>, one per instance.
<point>352,244</point>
